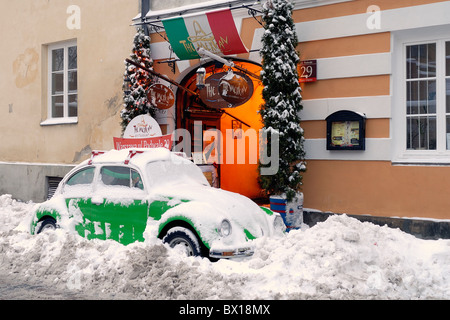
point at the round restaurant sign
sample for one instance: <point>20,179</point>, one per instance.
<point>235,89</point>
<point>161,96</point>
<point>226,90</point>
<point>143,126</point>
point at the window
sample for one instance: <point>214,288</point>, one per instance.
<point>447,94</point>
<point>84,176</point>
<point>121,176</point>
<point>421,110</point>
<point>421,96</point>
<point>62,83</point>
<point>174,172</point>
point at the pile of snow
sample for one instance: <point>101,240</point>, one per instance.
<point>340,258</point>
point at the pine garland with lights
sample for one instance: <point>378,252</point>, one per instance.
<point>137,81</point>
<point>282,98</point>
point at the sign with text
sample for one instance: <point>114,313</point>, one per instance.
<point>156,142</point>
<point>161,96</point>
<point>307,71</point>
<point>143,126</point>
<point>225,90</point>
<point>235,89</point>
<point>214,31</point>
<point>346,130</point>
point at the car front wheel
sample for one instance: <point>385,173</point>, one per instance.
<point>179,236</point>
<point>47,224</point>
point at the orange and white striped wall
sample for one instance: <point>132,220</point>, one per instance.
<point>358,46</point>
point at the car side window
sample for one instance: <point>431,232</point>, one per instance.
<point>136,181</point>
<point>84,176</point>
<point>121,176</point>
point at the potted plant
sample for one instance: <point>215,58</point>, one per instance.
<point>280,110</point>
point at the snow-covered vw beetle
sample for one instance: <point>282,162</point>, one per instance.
<point>131,194</point>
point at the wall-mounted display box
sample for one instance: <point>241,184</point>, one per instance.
<point>346,131</point>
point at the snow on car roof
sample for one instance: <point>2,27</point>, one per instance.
<point>136,156</point>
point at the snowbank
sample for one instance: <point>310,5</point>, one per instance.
<point>340,258</point>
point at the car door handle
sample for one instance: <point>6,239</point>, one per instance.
<point>97,201</point>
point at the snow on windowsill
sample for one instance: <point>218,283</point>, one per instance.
<point>56,121</point>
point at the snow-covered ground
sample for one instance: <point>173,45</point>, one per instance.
<point>340,258</point>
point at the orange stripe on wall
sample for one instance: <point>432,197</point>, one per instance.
<point>346,46</point>
<point>346,87</point>
<point>377,188</point>
<point>155,37</point>
<point>352,7</point>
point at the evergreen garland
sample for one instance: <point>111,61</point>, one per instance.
<point>135,94</point>
<point>282,98</point>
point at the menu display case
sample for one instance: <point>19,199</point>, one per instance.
<point>346,131</point>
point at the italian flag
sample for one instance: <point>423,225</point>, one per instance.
<point>214,31</point>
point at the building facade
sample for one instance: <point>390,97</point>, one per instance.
<point>385,60</point>
<point>61,83</point>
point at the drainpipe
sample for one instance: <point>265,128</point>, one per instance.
<point>145,7</point>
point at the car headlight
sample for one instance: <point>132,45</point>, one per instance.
<point>278,224</point>
<point>225,228</point>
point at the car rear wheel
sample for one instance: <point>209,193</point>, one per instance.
<point>179,236</point>
<point>47,224</point>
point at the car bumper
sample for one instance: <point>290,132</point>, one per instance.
<point>231,253</point>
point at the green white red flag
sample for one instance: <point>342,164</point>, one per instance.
<point>214,31</point>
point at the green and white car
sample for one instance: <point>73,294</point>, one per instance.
<point>132,194</point>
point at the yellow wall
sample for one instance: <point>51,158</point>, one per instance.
<point>104,40</point>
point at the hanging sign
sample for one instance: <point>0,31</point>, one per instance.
<point>307,71</point>
<point>143,132</point>
<point>214,31</point>
<point>235,89</point>
<point>143,126</point>
<point>226,90</point>
<point>161,96</point>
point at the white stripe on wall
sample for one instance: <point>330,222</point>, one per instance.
<point>426,15</point>
<point>376,149</point>
<point>327,68</point>
<point>371,106</point>
<point>160,50</point>
<point>354,66</point>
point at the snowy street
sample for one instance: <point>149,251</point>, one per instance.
<point>340,258</point>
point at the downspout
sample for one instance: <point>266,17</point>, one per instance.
<point>145,8</point>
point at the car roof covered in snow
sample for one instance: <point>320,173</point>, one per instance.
<point>135,156</point>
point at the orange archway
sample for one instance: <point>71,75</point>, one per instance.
<point>236,151</point>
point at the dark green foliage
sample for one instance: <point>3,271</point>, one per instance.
<point>282,97</point>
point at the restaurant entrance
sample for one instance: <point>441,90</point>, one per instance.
<point>218,130</point>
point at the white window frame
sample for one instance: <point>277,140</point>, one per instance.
<point>400,41</point>
<point>65,119</point>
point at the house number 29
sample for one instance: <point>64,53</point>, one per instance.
<point>308,70</point>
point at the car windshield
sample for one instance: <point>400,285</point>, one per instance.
<point>174,172</point>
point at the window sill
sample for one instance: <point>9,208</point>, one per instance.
<point>57,121</point>
<point>423,159</point>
